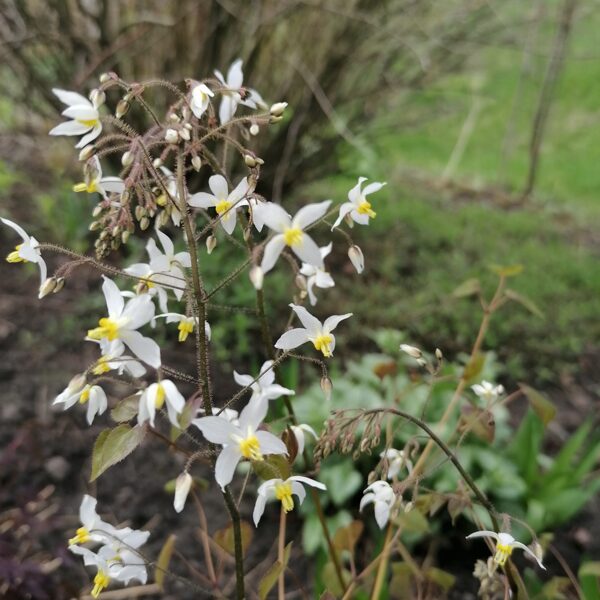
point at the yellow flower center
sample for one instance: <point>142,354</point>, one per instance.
<point>90,187</point>
<point>292,236</point>
<point>185,328</point>
<point>161,200</point>
<point>82,535</point>
<point>223,206</point>
<point>101,366</point>
<point>250,448</point>
<point>14,257</point>
<point>503,551</point>
<point>364,208</point>
<point>160,397</point>
<point>101,581</point>
<point>85,394</point>
<point>322,343</point>
<point>88,122</point>
<point>283,492</point>
<point>108,328</point>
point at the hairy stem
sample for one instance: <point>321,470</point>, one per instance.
<point>237,541</point>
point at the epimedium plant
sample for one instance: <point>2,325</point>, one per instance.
<point>154,192</point>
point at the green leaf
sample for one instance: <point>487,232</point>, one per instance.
<point>329,575</point>
<point>441,578</point>
<point>342,481</point>
<point>224,537</point>
<point>507,270</point>
<point>590,568</point>
<point>526,445</point>
<point>470,287</point>
<point>525,302</point>
<point>274,466</point>
<point>164,558</point>
<point>542,407</point>
<point>413,521</point>
<point>126,409</point>
<point>113,445</point>
<point>345,538</point>
<point>272,575</point>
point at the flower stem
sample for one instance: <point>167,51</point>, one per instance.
<point>237,542</point>
<point>281,555</point>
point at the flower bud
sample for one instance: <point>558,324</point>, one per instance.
<point>125,236</point>
<point>247,234</point>
<point>211,243</point>
<point>144,223</point>
<point>411,351</point>
<point>438,354</point>
<point>254,129</point>
<point>171,136</point>
<point>94,226</point>
<point>300,282</point>
<point>105,77</point>
<point>356,258</point>
<point>183,484</point>
<point>250,160</point>
<point>184,134</point>
<point>122,108</point>
<point>277,109</point>
<point>87,152</point>
<point>256,277</point>
<point>196,162</point>
<point>273,119</point>
<point>97,211</point>
<point>97,97</point>
<point>127,158</point>
<point>327,387</point>
<point>139,212</point>
<point>47,287</point>
<point>157,163</point>
<point>174,118</point>
<point>60,284</point>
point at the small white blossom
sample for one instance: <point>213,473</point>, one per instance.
<point>313,331</point>
<point>226,203</point>
<point>94,181</point>
<point>300,432</point>
<point>412,351</point>
<point>84,116</point>
<point>92,395</point>
<point>381,495</point>
<point>183,485</point>
<point>186,325</point>
<point>231,96</point>
<point>113,358</point>
<point>488,391</point>
<point>396,460</point>
<point>278,489</point>
<point>264,388</point>
<point>200,99</point>
<point>356,258</point>
<point>154,398</point>
<point>93,528</point>
<point>123,321</point>
<point>290,232</point>
<point>316,276</point>
<point>28,251</point>
<point>243,441</point>
<point>505,544</point>
<point>358,207</point>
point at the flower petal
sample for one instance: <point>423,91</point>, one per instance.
<point>382,513</point>
<point>270,444</point>
<point>216,429</point>
<point>373,187</point>
<point>114,300</point>
<point>218,186</point>
<point>312,324</point>
<point>310,213</point>
<point>226,463</point>
<point>70,98</point>
<point>308,251</point>
<point>202,200</point>
<point>259,509</point>
<point>345,208</point>
<point>274,216</point>
<point>272,251</point>
<point>69,128</point>
<point>332,322</point>
<point>292,339</point>
<point>235,76</point>
<point>144,348</point>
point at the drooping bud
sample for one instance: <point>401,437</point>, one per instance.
<point>411,351</point>
<point>105,77</point>
<point>97,97</point>
<point>144,223</point>
<point>157,163</point>
<point>277,109</point>
<point>183,484</point>
<point>250,160</point>
<point>87,152</point>
<point>125,236</point>
<point>47,287</point>
<point>327,387</point>
<point>254,129</point>
<point>438,354</point>
<point>196,162</point>
<point>300,282</point>
<point>60,284</point>
<point>184,134</point>
<point>122,108</point>
<point>256,277</point>
<point>211,243</point>
<point>97,211</point>
<point>273,119</point>
<point>171,136</point>
<point>356,258</point>
<point>127,158</point>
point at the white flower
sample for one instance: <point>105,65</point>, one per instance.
<point>396,461</point>
<point>278,489</point>
<point>84,116</point>
<point>225,203</point>
<point>200,99</point>
<point>412,351</point>
<point>124,319</point>
<point>95,182</point>
<point>381,494</point>
<point>92,395</point>
<point>121,565</point>
<point>229,414</point>
<point>264,388</point>
<point>154,397</point>
<point>185,325</point>
<point>170,183</point>
<point>505,544</point>
<point>183,485</point>
<point>317,276</point>
<point>28,251</point>
<point>231,96</point>
<point>358,207</point>
<point>488,391</point>
<point>290,232</point>
<point>299,432</point>
<point>113,358</point>
<point>313,331</point>
<point>239,441</point>
<point>147,283</point>
<point>356,258</point>
<point>93,528</point>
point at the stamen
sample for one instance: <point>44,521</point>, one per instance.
<point>101,581</point>
<point>250,448</point>
<point>108,328</point>
<point>292,236</point>
<point>223,206</point>
<point>14,257</point>
<point>322,344</point>
<point>82,535</point>
<point>283,492</point>
<point>364,208</point>
<point>160,397</point>
<point>185,328</point>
